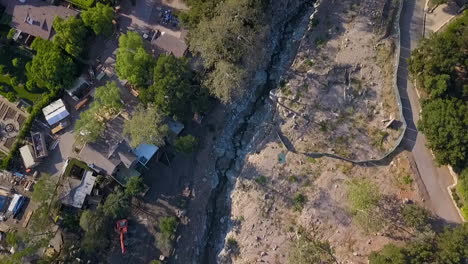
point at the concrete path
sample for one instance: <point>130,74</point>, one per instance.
<point>436,179</point>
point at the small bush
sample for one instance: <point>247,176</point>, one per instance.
<point>13,81</point>
<point>11,33</point>
<point>407,179</point>
<point>11,96</point>
<point>2,69</point>
<point>299,201</point>
<point>464,212</point>
<point>186,144</point>
<point>15,62</point>
<point>168,226</point>
<point>261,180</point>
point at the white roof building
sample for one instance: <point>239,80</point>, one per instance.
<point>77,195</point>
<point>55,112</point>
<point>28,157</point>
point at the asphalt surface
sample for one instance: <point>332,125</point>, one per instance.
<point>436,179</point>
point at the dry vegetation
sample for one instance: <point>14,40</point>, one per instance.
<point>338,95</point>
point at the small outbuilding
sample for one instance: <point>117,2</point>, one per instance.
<point>55,112</point>
<point>145,152</point>
<point>29,159</point>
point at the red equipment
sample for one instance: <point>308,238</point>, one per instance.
<point>122,228</point>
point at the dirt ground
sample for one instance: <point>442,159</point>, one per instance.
<point>334,99</point>
<point>265,221</point>
<point>338,96</point>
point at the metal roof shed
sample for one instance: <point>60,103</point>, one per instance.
<point>28,157</point>
<point>55,112</point>
<point>145,152</point>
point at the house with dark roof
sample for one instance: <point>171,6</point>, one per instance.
<point>169,44</point>
<point>34,18</point>
<point>112,155</point>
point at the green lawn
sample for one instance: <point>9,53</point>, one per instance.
<point>82,3</point>
<point>7,54</point>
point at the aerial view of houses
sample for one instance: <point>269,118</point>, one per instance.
<point>233,131</point>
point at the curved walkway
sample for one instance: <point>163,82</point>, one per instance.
<point>436,179</point>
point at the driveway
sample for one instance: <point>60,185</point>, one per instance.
<point>436,179</point>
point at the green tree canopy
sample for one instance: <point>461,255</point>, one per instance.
<point>448,247</point>
<point>99,19</point>
<point>107,99</point>
<point>229,38</point>
<point>226,81</point>
<point>50,67</point>
<point>172,90</point>
<point>92,220</point>
<point>70,35</point>
<point>146,126</point>
<point>416,217</point>
<point>133,63</point>
<point>44,189</point>
<point>89,126</point>
<point>445,124</point>
<point>134,186</point>
<point>116,205</point>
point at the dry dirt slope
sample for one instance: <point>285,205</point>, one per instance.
<point>334,98</point>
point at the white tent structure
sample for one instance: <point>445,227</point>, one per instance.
<point>55,112</point>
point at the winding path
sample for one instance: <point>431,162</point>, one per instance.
<point>436,179</point>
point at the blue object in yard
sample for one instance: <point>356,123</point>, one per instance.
<point>282,158</point>
<point>18,174</point>
<point>19,205</point>
<point>3,201</point>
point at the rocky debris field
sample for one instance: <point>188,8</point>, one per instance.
<point>338,96</point>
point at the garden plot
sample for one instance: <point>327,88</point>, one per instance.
<point>338,95</point>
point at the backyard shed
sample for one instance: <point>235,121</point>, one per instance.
<point>27,154</point>
<point>55,112</point>
<point>145,152</point>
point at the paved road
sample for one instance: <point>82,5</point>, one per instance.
<point>436,179</point>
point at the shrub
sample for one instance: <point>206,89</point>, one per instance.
<point>13,81</point>
<point>2,69</point>
<point>168,226</point>
<point>299,201</point>
<point>186,144</point>
<point>15,62</point>
<point>11,33</point>
<point>11,96</point>
<point>261,180</point>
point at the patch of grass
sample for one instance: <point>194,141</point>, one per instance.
<point>74,163</point>
<point>324,126</point>
<point>292,179</point>
<point>82,3</point>
<point>406,179</point>
<point>311,160</point>
<point>262,180</point>
<point>319,42</point>
<point>299,200</point>
<point>168,226</point>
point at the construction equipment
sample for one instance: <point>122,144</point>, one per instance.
<point>122,228</point>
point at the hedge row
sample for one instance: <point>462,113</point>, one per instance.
<point>36,110</point>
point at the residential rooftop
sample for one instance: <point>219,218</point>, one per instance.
<point>35,17</point>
